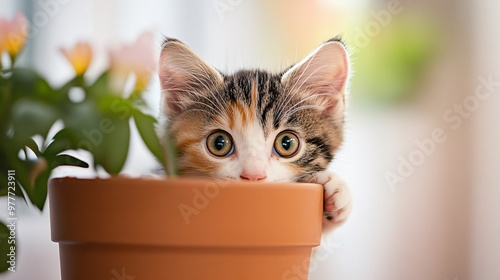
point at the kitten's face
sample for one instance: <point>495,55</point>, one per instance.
<point>253,125</point>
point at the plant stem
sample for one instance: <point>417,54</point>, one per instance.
<point>171,157</point>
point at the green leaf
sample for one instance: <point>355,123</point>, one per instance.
<point>27,83</point>
<point>5,71</point>
<point>62,141</point>
<point>24,82</point>
<point>100,87</point>
<point>68,160</point>
<point>146,127</point>
<point>33,146</point>
<point>38,193</point>
<point>81,117</point>
<point>35,182</point>
<point>77,81</point>
<point>4,247</point>
<point>112,149</point>
<point>31,117</point>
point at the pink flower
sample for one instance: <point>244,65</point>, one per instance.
<point>79,57</point>
<point>13,34</point>
<point>138,59</point>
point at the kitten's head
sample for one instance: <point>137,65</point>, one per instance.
<point>253,125</point>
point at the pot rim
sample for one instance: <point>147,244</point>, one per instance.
<point>185,212</point>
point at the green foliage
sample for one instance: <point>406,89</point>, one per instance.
<point>99,124</point>
<point>145,126</point>
<point>31,110</point>
<point>390,67</point>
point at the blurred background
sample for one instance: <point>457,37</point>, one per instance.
<point>425,206</point>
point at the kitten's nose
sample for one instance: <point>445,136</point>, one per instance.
<point>253,176</point>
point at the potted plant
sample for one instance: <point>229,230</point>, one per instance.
<point>128,228</point>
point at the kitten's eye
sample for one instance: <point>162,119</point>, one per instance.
<point>286,144</point>
<point>220,144</point>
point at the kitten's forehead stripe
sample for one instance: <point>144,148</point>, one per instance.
<point>262,90</point>
<point>242,80</point>
<point>230,89</point>
<point>254,96</point>
<point>243,112</point>
<point>271,100</point>
<point>231,118</point>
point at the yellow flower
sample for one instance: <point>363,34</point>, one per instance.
<point>138,59</point>
<point>79,57</point>
<point>13,34</point>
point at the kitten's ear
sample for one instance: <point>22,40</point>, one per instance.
<point>321,76</point>
<point>183,75</point>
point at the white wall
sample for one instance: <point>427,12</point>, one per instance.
<point>485,246</point>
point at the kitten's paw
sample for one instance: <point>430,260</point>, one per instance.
<point>337,205</point>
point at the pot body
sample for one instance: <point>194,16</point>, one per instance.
<point>127,229</point>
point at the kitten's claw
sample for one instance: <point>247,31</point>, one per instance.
<point>337,205</point>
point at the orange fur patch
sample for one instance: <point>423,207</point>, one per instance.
<point>199,161</point>
<point>254,95</point>
<point>242,110</point>
<point>239,111</point>
<point>297,169</point>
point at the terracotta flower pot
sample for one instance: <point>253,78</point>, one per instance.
<point>126,229</point>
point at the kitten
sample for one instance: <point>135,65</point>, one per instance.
<point>258,126</point>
